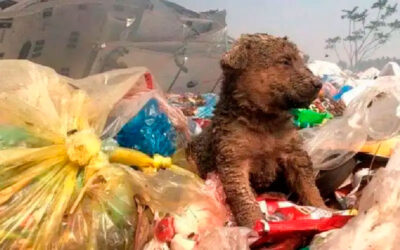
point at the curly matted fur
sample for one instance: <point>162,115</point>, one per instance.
<point>251,141</point>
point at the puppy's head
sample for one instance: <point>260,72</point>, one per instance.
<point>268,73</point>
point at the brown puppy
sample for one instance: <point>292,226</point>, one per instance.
<point>252,141</point>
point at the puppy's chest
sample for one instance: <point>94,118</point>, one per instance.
<point>272,143</point>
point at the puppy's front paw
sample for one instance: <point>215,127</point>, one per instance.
<point>248,215</point>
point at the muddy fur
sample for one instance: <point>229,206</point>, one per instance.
<point>251,142</point>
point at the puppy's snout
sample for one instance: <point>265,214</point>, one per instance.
<point>317,83</point>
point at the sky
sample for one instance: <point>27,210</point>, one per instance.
<point>308,23</point>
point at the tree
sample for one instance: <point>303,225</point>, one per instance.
<point>364,36</point>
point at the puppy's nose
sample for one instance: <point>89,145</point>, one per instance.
<point>317,84</point>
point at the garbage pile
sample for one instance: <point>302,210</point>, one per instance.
<point>65,184</point>
<point>97,163</point>
<point>198,108</point>
<point>351,131</point>
<point>357,158</point>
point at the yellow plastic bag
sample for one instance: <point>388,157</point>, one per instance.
<point>381,148</point>
<point>65,193</point>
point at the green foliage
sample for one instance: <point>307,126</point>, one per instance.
<point>366,34</point>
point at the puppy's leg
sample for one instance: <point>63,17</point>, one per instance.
<point>200,151</point>
<point>235,179</point>
<point>300,177</point>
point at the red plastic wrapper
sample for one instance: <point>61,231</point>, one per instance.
<point>165,230</point>
<point>286,220</point>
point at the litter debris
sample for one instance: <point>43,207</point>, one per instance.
<point>306,118</point>
<point>98,162</point>
<point>150,131</point>
<point>198,108</point>
<point>348,195</point>
<point>322,68</point>
<point>372,114</point>
<point>284,220</point>
<point>369,74</point>
<point>61,188</point>
<point>326,102</point>
<point>64,193</point>
<point>377,225</point>
<point>193,105</point>
<point>227,238</point>
<point>390,69</point>
<point>341,92</point>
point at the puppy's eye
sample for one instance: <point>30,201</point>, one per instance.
<point>286,62</point>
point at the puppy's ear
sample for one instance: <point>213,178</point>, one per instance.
<point>235,58</point>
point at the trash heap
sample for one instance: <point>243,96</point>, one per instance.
<point>65,183</point>
<point>351,131</point>
<point>97,163</point>
<point>198,108</point>
<point>357,159</point>
<point>329,103</point>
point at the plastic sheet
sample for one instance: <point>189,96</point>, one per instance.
<point>65,194</point>
<point>371,114</point>
<point>378,223</point>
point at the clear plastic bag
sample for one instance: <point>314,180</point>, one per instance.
<point>373,113</point>
<point>67,193</point>
<point>127,91</point>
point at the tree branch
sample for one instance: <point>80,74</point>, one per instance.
<point>337,54</point>
<point>371,43</point>
<point>347,52</point>
<point>350,44</point>
<point>371,30</point>
<point>370,50</point>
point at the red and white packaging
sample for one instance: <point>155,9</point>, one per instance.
<point>284,219</point>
